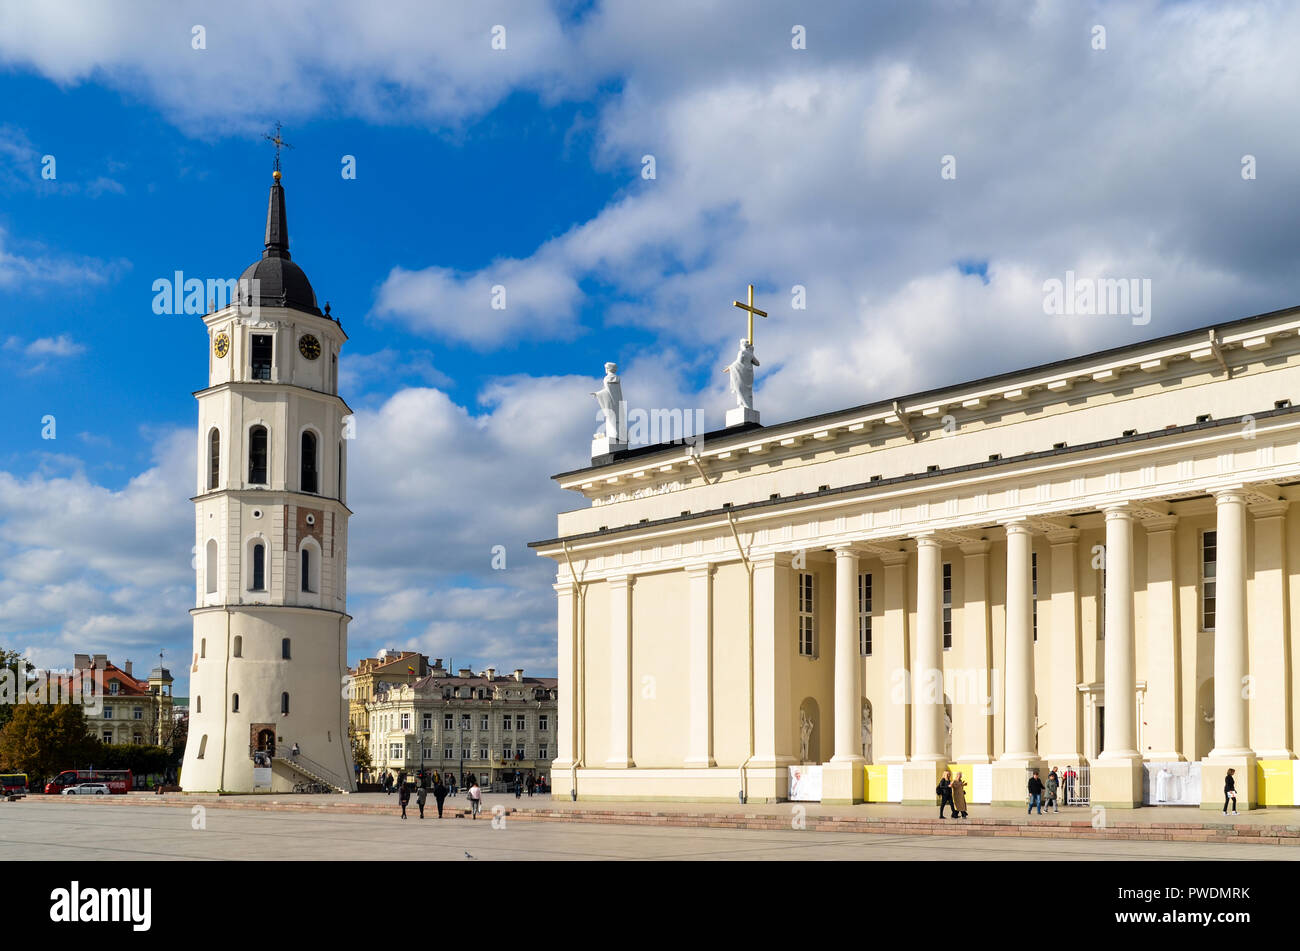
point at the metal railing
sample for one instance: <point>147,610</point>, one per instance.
<point>312,769</point>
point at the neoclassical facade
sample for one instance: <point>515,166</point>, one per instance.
<point>1086,563</point>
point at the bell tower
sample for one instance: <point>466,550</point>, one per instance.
<point>271,519</point>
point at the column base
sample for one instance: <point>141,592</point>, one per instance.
<point>919,780</point>
<point>1011,780</point>
<point>842,781</point>
<point>1116,781</point>
<point>1213,770</point>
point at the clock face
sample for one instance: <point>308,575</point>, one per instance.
<point>309,346</point>
<point>221,345</point>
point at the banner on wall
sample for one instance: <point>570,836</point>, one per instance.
<point>805,783</point>
<point>261,779</point>
<point>894,782</point>
<point>1171,784</point>
<point>982,787</point>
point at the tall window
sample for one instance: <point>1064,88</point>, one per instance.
<point>214,458</point>
<point>447,723</point>
<point>1209,565</point>
<point>541,721</point>
<point>211,549</point>
<point>306,569</point>
<point>257,455</point>
<point>239,646</point>
<point>428,724</point>
<point>947,606</point>
<point>261,353</point>
<point>309,480</point>
<point>807,618</point>
<point>284,648</point>
<point>259,567</point>
<point>1033,572</point>
<point>284,704</point>
<point>234,703</point>
<point>864,614</point>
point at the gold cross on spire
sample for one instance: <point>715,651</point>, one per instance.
<point>279,143</point>
<point>752,311</point>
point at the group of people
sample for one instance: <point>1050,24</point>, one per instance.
<point>1057,790</point>
<point>440,792</point>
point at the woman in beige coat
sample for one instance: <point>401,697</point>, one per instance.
<point>959,796</point>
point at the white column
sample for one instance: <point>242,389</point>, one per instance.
<point>1269,635</point>
<point>1119,739</point>
<point>700,650</point>
<point>972,716</point>
<point>620,665</point>
<point>566,595</point>
<point>890,719</point>
<point>1064,743</point>
<point>1230,734</point>
<point>848,661</point>
<point>1159,740</point>
<point>1019,712</point>
<point>927,680</point>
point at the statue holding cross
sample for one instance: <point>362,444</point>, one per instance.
<point>742,370</point>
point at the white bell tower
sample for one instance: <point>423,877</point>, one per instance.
<point>270,619</point>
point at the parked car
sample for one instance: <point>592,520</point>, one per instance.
<point>87,789</point>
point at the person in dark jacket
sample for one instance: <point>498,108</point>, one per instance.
<point>945,795</point>
<point>1230,792</point>
<point>1035,794</point>
<point>421,795</point>
<point>404,797</point>
<point>1053,784</point>
<point>439,794</point>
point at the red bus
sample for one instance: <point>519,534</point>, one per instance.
<point>117,780</point>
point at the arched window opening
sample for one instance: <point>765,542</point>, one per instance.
<point>257,451</point>
<point>239,645</point>
<point>309,480</point>
<point>284,648</point>
<point>284,704</point>
<point>198,704</point>
<point>234,703</point>
<point>259,567</point>
<point>306,569</point>
<point>203,746</point>
<point>211,570</point>
<point>203,647</point>
<point>214,458</point>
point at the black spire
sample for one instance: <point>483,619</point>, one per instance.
<point>277,224</point>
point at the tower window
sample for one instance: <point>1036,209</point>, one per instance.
<point>284,649</point>
<point>306,569</point>
<point>257,455</point>
<point>203,746</point>
<point>211,585</point>
<point>234,703</point>
<point>261,354</point>
<point>284,704</point>
<point>214,458</point>
<point>239,646</point>
<point>259,567</point>
<point>309,480</point>
<point>198,704</point>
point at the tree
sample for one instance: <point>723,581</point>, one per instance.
<point>13,665</point>
<point>360,755</point>
<point>41,739</point>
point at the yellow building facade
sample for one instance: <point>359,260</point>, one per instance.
<point>1084,564</point>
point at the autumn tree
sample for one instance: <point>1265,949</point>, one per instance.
<point>42,739</point>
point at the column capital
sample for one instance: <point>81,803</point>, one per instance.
<point>1063,536</point>
<point>1276,509</point>
<point>1118,511</point>
<point>927,540</point>
<point>1160,523</point>
<point>1231,494</point>
<point>1017,526</point>
<point>846,552</point>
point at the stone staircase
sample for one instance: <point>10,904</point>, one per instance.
<point>314,771</point>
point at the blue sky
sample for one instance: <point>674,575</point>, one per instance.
<point>817,168</point>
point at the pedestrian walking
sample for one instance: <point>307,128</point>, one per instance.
<point>532,785</point>
<point>295,751</point>
<point>944,792</point>
<point>421,795</point>
<point>404,797</point>
<point>439,794</point>
<point>1053,784</point>
<point>1230,792</point>
<point>475,798</point>
<point>519,789</point>
<point>1067,785</point>
<point>959,797</point>
<point>1035,793</point>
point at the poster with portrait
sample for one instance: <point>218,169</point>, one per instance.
<point>805,783</point>
<point>1171,784</point>
<point>261,779</point>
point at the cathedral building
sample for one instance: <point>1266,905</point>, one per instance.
<point>270,617</point>
<point>1085,564</point>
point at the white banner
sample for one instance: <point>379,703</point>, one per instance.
<point>1171,784</point>
<point>982,788</point>
<point>894,782</point>
<point>805,783</point>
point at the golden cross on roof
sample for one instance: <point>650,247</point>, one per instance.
<point>752,311</point>
<point>279,143</point>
